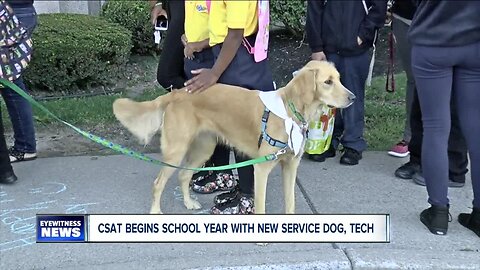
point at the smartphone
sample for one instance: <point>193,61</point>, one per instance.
<point>161,23</point>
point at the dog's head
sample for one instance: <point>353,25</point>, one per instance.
<point>319,81</point>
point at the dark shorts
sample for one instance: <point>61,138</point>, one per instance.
<point>243,71</point>
<point>203,59</point>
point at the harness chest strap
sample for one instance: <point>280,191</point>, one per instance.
<point>264,135</point>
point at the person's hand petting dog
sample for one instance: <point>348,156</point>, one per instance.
<point>204,78</point>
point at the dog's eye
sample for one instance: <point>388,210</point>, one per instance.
<point>329,82</point>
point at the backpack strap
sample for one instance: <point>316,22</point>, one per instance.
<point>209,4</point>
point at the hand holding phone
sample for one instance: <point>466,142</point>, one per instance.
<point>161,23</point>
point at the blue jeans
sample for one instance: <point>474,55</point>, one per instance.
<point>440,74</point>
<point>350,122</point>
<point>19,109</point>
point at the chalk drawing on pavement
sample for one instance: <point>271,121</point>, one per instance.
<point>18,223</point>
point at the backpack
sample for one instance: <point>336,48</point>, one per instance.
<point>15,44</point>
<point>260,48</point>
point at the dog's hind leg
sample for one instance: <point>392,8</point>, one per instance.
<point>200,151</point>
<point>289,173</point>
<point>159,185</point>
<point>262,171</point>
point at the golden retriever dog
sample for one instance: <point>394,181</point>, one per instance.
<point>192,124</point>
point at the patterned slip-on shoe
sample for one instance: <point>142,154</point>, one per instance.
<point>220,181</point>
<point>17,156</point>
<point>227,197</point>
<point>242,205</point>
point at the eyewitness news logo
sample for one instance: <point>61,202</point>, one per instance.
<point>61,228</point>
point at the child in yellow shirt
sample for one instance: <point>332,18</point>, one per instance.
<point>198,55</point>
<point>232,25</point>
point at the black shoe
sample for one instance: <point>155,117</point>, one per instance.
<point>407,170</point>
<point>350,157</point>
<point>420,180</point>
<point>8,177</point>
<point>436,219</point>
<point>322,157</point>
<point>471,221</point>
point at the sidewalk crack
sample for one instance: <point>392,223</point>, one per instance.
<point>314,211</point>
<point>307,198</point>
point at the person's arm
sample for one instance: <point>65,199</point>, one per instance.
<point>313,28</point>
<point>191,47</point>
<point>156,10</point>
<point>207,77</point>
<point>373,21</point>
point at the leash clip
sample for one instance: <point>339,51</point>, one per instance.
<point>280,152</point>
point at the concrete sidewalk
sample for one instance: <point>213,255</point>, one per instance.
<point>118,184</point>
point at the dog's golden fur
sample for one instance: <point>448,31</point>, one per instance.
<point>191,124</point>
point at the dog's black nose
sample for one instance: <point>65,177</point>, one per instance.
<point>352,97</point>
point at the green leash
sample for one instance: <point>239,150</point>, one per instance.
<point>129,152</point>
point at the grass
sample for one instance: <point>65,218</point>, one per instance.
<point>82,112</point>
<point>385,112</point>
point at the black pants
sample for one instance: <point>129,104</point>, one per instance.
<point>457,147</point>
<point>170,67</point>
<point>4,158</point>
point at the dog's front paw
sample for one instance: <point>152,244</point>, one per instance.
<point>155,211</point>
<point>192,204</point>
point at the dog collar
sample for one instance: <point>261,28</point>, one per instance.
<point>292,108</point>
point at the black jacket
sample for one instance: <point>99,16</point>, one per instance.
<point>446,23</point>
<point>333,26</point>
<point>404,8</point>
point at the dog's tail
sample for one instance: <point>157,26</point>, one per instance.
<point>143,119</point>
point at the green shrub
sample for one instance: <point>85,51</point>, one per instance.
<point>135,16</point>
<point>291,13</point>
<point>74,51</point>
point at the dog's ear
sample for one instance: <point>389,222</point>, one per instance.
<point>304,84</point>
